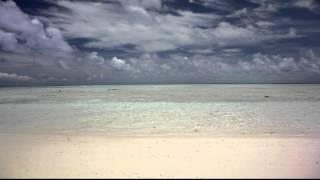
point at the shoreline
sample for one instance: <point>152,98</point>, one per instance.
<point>169,135</point>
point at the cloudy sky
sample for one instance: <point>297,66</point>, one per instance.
<point>64,42</point>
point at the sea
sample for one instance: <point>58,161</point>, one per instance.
<point>162,110</point>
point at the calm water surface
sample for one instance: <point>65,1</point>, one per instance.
<point>163,109</point>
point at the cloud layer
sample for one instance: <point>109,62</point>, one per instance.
<point>158,41</point>
<point>15,77</point>
<point>21,33</point>
<point>148,28</point>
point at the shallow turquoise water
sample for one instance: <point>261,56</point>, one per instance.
<point>162,109</point>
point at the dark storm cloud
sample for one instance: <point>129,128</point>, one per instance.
<point>154,41</point>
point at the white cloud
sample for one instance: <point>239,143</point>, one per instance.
<point>111,25</point>
<point>202,51</point>
<point>273,6</point>
<point>63,65</point>
<point>14,76</point>
<point>234,50</point>
<point>8,41</point>
<point>93,56</point>
<point>277,63</point>
<point>152,4</point>
<point>265,23</point>
<point>19,32</point>
<point>225,66</point>
<point>230,65</point>
<point>288,64</point>
<point>226,32</point>
<point>219,4</point>
<point>292,32</point>
<point>120,64</point>
<point>309,4</point>
<point>239,13</point>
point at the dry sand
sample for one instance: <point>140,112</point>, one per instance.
<point>57,156</point>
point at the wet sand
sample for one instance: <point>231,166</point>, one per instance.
<point>77,156</point>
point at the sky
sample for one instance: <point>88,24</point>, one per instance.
<point>77,42</point>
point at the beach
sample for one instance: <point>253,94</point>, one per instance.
<point>192,131</point>
<point>158,157</point>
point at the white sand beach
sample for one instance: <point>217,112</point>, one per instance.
<point>57,156</point>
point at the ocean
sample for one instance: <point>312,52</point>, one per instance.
<point>161,110</point>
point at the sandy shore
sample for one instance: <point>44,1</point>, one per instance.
<point>56,156</point>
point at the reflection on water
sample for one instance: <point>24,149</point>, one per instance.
<point>163,109</point>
